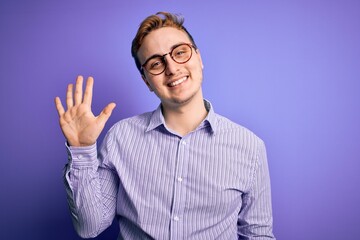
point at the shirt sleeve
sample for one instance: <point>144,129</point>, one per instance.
<point>255,217</point>
<point>91,189</point>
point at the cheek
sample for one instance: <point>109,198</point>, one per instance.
<point>154,82</point>
<point>197,66</point>
<point>197,70</point>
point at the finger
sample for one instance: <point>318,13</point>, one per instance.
<point>69,96</point>
<point>78,90</point>
<point>59,106</point>
<point>106,112</point>
<point>88,91</point>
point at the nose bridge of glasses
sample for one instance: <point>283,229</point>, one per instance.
<point>170,56</point>
<point>169,64</point>
<point>166,60</point>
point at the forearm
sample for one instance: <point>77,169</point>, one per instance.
<point>91,192</point>
<point>255,218</point>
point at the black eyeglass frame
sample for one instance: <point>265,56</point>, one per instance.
<point>163,58</point>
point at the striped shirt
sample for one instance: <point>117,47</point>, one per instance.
<point>212,183</point>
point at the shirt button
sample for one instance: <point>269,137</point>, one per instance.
<point>176,218</point>
<point>179,179</point>
<point>183,142</point>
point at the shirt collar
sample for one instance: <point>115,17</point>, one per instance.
<point>157,118</point>
<point>211,117</point>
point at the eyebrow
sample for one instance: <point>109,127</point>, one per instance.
<point>160,55</point>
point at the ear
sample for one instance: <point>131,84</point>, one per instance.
<point>146,82</point>
<point>200,59</point>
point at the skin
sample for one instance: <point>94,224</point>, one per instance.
<point>78,124</point>
<point>182,105</point>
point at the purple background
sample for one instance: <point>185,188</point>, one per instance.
<point>288,70</point>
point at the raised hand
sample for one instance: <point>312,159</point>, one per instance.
<point>78,124</point>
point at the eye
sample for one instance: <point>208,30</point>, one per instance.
<point>156,63</point>
<point>180,52</point>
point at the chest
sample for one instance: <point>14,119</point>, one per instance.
<point>199,170</point>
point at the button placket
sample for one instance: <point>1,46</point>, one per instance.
<point>179,187</point>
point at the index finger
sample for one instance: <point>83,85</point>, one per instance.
<point>88,91</point>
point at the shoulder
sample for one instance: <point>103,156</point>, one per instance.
<point>138,122</point>
<point>238,135</point>
<point>226,125</point>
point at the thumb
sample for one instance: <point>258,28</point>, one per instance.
<point>106,112</point>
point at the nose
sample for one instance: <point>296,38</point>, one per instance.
<point>171,66</point>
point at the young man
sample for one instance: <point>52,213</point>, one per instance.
<point>179,172</point>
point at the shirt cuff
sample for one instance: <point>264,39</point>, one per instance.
<point>82,157</point>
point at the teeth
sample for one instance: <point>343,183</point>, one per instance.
<point>177,82</point>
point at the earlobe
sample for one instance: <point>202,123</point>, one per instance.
<point>146,82</point>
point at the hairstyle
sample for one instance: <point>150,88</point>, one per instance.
<point>153,22</point>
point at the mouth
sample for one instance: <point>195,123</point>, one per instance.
<point>177,82</point>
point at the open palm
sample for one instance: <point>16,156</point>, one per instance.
<point>78,124</point>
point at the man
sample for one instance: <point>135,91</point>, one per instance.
<point>179,172</point>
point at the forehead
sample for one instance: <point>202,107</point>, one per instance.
<point>160,41</point>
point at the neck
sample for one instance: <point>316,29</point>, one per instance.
<point>186,117</point>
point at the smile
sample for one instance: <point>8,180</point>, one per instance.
<point>177,82</point>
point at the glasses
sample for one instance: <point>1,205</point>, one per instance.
<point>157,64</point>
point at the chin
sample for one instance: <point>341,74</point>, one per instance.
<point>185,100</point>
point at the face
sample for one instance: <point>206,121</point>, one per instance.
<point>179,83</point>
